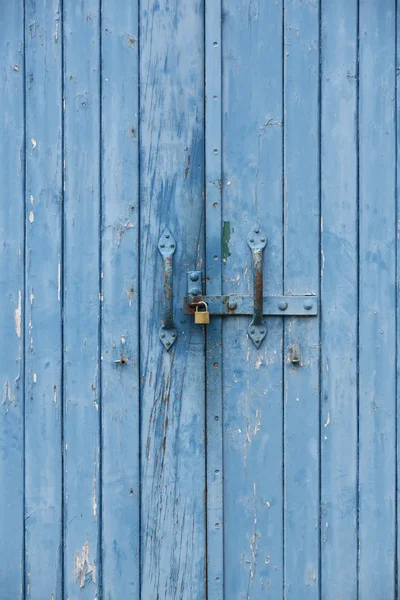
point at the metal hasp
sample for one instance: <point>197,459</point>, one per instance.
<point>257,305</point>
<point>168,332</point>
<point>257,242</point>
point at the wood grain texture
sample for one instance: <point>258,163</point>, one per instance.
<point>377,309</point>
<point>172,383</point>
<point>43,348</point>
<point>252,379</point>
<point>339,299</point>
<point>120,301</point>
<point>301,276</point>
<point>12,169</point>
<point>82,217</point>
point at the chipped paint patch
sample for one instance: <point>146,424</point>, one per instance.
<point>85,571</point>
<point>328,420</point>
<point>17,315</point>
<point>31,217</point>
<point>34,143</point>
<point>226,238</point>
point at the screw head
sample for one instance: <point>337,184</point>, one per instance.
<point>252,330</point>
<point>194,276</point>
<point>167,235</point>
<point>232,304</point>
<point>174,335</point>
<point>163,335</point>
<point>262,331</point>
<point>263,239</point>
<point>257,340</point>
<point>167,343</point>
<point>282,305</point>
<point>308,304</point>
<point>257,230</point>
<point>172,246</point>
<point>162,245</point>
<point>251,240</point>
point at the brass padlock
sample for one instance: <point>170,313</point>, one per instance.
<point>203,317</point>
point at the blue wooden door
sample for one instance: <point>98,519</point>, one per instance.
<point>146,147</point>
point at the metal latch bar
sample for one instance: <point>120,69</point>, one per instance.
<point>243,304</point>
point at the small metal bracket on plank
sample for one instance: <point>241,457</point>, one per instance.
<point>167,247</point>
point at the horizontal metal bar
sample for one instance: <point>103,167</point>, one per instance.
<point>239,304</point>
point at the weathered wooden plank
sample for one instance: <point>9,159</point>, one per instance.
<point>213,272</point>
<point>172,383</point>
<point>43,348</point>
<point>12,299</point>
<point>252,379</point>
<point>377,325</point>
<point>339,298</point>
<point>120,302</point>
<point>81,299</point>
<point>301,275</point>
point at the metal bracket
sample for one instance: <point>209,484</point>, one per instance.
<point>167,247</point>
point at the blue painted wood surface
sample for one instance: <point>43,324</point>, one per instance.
<point>12,295</point>
<point>339,298</point>
<point>301,276</point>
<point>377,300</point>
<point>43,307</point>
<point>172,383</point>
<point>81,301</point>
<point>214,469</point>
<point>120,300</point>
<point>252,379</point>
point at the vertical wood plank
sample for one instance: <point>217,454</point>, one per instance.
<point>301,276</point>
<point>252,379</point>
<point>81,299</point>
<point>377,326</point>
<point>43,353</point>
<point>339,298</point>
<point>120,302</point>
<point>214,366</point>
<point>172,383</point>
<point>11,299</point>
